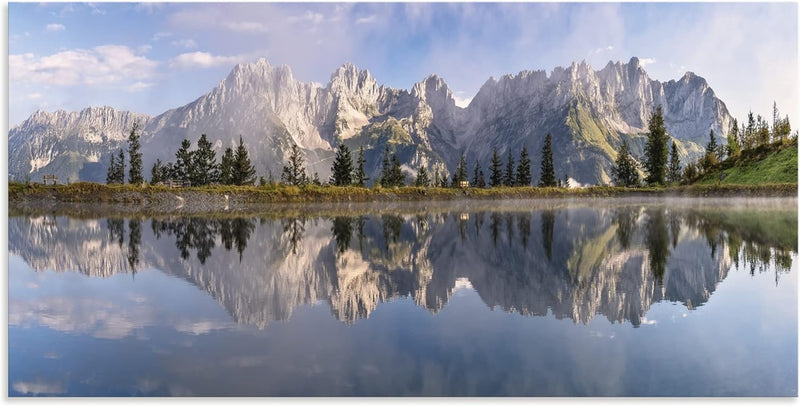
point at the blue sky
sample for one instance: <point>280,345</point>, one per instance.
<point>150,57</point>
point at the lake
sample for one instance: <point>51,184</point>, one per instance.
<point>615,297</point>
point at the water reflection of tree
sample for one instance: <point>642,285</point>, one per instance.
<point>657,241</point>
<point>116,229</point>
<point>494,225</point>
<point>625,218</point>
<point>548,224</point>
<point>524,225</point>
<point>201,234</point>
<point>236,232</point>
<point>342,230</point>
<point>391,228</point>
<point>134,240</point>
<point>293,230</point>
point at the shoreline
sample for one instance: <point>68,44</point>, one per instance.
<point>91,198</point>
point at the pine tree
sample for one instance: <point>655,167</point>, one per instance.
<point>155,172</point>
<point>690,172</point>
<point>710,158</point>
<point>423,179</point>
<point>295,172</point>
<point>548,171</point>
<point>111,175</point>
<point>386,169</point>
<point>315,180</point>
<point>204,163</point>
<point>342,170</point>
<point>565,184</point>
<point>243,171</point>
<point>524,169</point>
<point>655,150</point>
<point>184,161</point>
<point>733,147</point>
<point>360,178</point>
<point>461,172</point>
<point>750,132</point>
<point>135,174</point>
<point>481,180</point>
<point>496,175</point>
<point>398,177</point>
<point>674,169</point>
<point>624,171</point>
<point>119,175</point>
<point>510,178</point>
<point>226,167</point>
<point>475,173</point>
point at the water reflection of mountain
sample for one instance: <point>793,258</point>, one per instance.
<point>574,263</point>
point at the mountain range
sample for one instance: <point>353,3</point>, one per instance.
<point>588,112</point>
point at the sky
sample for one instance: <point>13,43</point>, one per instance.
<point>151,57</point>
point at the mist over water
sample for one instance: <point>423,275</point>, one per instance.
<point>569,298</point>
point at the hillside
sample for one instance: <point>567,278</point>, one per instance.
<point>768,164</point>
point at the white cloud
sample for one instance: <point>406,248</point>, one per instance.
<point>600,50</point>
<point>185,43</point>
<point>143,49</point>
<point>96,10</point>
<point>139,86</point>
<point>161,34</point>
<point>309,16</point>
<point>646,61</point>
<point>203,60</point>
<point>366,20</point>
<point>34,96</point>
<point>55,27</point>
<point>101,65</point>
<point>246,26</point>
<point>38,388</point>
<point>460,100</point>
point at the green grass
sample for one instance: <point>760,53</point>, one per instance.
<point>767,164</point>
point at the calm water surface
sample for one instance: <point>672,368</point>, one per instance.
<point>568,299</point>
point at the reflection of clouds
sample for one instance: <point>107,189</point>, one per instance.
<point>38,388</point>
<point>647,322</point>
<point>101,318</point>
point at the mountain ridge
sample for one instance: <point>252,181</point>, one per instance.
<point>588,112</point>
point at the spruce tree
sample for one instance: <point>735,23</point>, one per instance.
<point>524,169</point>
<point>656,149</point>
<point>710,158</point>
<point>342,169</point>
<point>360,177</point>
<point>510,177</point>
<point>475,173</point>
<point>295,172</point>
<point>423,179</point>
<point>135,174</point>
<point>733,147</point>
<point>111,174</point>
<point>461,172</point>
<point>226,167</point>
<point>481,180</point>
<point>243,171</point>
<point>155,172</point>
<point>548,171</point>
<point>674,170</point>
<point>204,163</point>
<point>386,169</point>
<point>496,175</point>
<point>398,177</point>
<point>566,181</point>
<point>119,175</point>
<point>184,161</point>
<point>624,171</point>
<point>750,132</point>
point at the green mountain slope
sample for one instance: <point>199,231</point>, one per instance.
<point>767,164</point>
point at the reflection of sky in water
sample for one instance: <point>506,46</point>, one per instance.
<point>156,333</point>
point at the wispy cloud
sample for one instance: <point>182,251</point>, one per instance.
<point>55,27</point>
<point>646,61</point>
<point>367,19</point>
<point>246,26</point>
<point>202,60</point>
<point>139,86</point>
<point>161,35</point>
<point>38,387</point>
<point>185,43</point>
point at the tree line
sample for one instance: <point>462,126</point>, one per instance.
<point>198,166</point>
<point>662,164</point>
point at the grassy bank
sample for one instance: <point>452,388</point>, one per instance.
<point>767,164</point>
<point>149,195</point>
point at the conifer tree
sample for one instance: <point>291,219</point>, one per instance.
<point>475,173</point>
<point>524,169</point>
<point>295,172</point>
<point>156,172</point>
<point>496,175</point>
<point>398,177</point>
<point>710,158</point>
<point>436,179</point>
<point>243,171</point>
<point>461,172</point>
<point>360,178</point>
<point>733,147</point>
<point>481,179</point>
<point>565,184</point>
<point>226,167</point>
<point>510,178</point>
<point>183,161</point>
<point>204,163</point>
<point>386,169</point>
<point>423,179</point>
<point>624,171</point>
<point>135,174</point>
<point>342,169</point>
<point>111,175</point>
<point>674,170</point>
<point>548,171</point>
<point>655,150</point>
